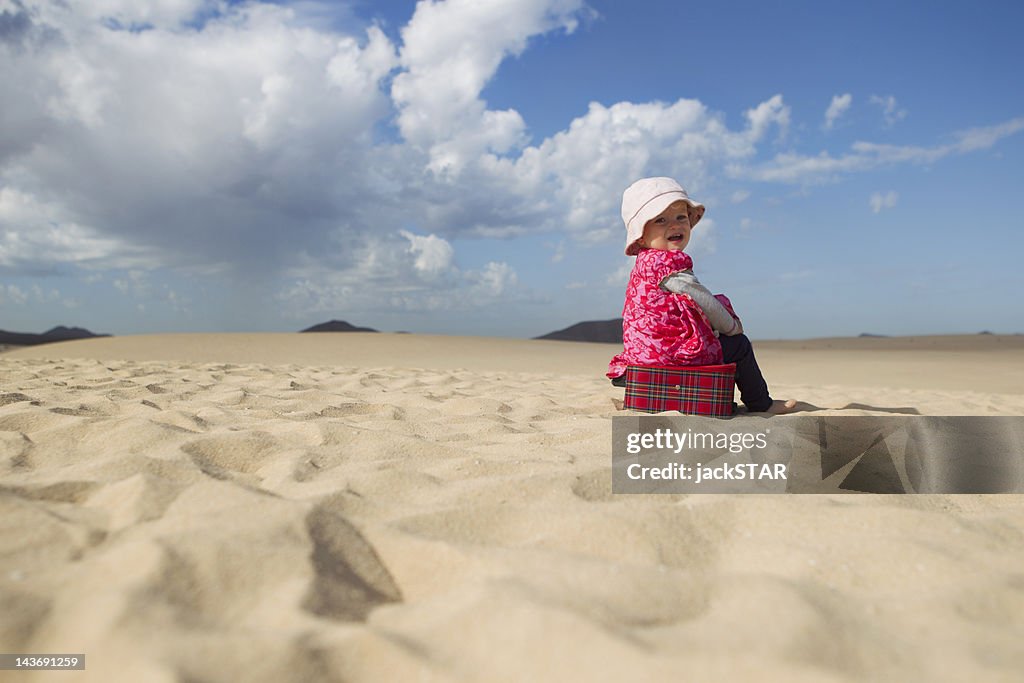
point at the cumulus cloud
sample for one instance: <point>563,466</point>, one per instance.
<point>417,275</point>
<point>260,142</point>
<point>38,237</point>
<point>836,108</point>
<point>450,51</point>
<point>578,174</point>
<point>495,278</point>
<point>881,201</point>
<point>214,147</point>
<point>432,255</point>
<point>161,13</point>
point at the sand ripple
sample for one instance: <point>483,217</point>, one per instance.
<point>219,522</point>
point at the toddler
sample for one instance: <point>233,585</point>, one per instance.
<point>669,318</point>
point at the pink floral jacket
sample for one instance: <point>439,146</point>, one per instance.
<point>659,327</point>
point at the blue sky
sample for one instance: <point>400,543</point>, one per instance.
<point>456,167</point>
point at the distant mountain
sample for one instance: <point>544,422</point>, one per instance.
<point>338,326</point>
<point>598,331</point>
<point>62,333</point>
<point>59,333</point>
<point>868,334</point>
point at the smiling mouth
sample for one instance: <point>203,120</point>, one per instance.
<point>675,238</point>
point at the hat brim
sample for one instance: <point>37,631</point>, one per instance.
<point>654,207</point>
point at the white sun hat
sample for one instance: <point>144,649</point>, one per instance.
<point>645,199</point>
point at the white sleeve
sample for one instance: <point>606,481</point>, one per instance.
<point>685,282</point>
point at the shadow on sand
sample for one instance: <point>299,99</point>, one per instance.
<point>805,407</point>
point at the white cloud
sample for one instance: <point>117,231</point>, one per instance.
<point>450,50</point>
<point>421,276</point>
<point>620,276</point>
<point>12,294</point>
<point>986,136</point>
<point>579,173</point>
<point>176,302</point>
<point>136,283</point>
<point>41,297</point>
<point>890,110</point>
<point>161,13</point>
<point>703,239</point>
<point>36,234</point>
<point>792,167</point>
<point>496,278</point>
<point>266,145</point>
<point>739,196</point>
<point>433,255</point>
<point>881,201</point>
<point>557,251</point>
<point>773,111</point>
<point>836,108</point>
<point>197,145</point>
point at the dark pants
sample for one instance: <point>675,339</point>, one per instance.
<point>753,389</point>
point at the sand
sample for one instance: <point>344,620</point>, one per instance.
<point>359,507</point>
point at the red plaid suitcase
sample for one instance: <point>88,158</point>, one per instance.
<point>693,390</point>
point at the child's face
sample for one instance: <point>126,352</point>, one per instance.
<point>669,230</point>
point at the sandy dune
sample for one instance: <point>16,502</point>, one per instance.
<point>360,507</point>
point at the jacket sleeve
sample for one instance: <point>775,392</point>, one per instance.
<point>685,282</point>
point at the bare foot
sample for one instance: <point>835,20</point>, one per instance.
<point>781,407</point>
